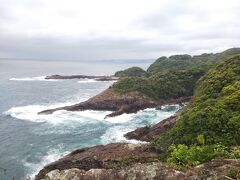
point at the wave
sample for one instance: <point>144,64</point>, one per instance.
<point>116,134</point>
<point>34,168</point>
<point>66,122</point>
<point>30,113</point>
<point>132,121</point>
<point>38,78</point>
<point>87,81</point>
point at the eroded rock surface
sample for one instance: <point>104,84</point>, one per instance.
<point>148,133</point>
<point>114,155</point>
<point>109,101</point>
<point>138,171</point>
<point>216,169</point>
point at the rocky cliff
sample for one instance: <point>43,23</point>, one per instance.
<point>110,101</point>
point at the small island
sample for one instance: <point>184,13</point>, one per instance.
<point>97,78</point>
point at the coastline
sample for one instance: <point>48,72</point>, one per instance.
<point>119,152</point>
<point>97,78</point>
<point>113,155</point>
<point>108,100</point>
<point>188,152</point>
<point>120,161</point>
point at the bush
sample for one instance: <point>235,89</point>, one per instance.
<point>182,156</point>
<point>189,156</point>
<point>131,72</point>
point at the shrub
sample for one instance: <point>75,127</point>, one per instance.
<point>131,72</point>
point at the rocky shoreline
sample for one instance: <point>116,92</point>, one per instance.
<point>97,78</point>
<point>120,161</point>
<point>148,133</point>
<point>155,170</point>
<point>109,101</point>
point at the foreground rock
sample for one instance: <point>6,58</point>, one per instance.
<point>115,155</point>
<point>109,101</point>
<point>148,133</point>
<point>97,78</point>
<point>216,169</point>
<point>154,170</point>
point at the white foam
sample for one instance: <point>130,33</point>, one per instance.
<point>87,81</point>
<point>38,78</point>
<point>34,168</point>
<point>120,119</point>
<point>30,113</point>
<point>120,126</point>
<point>116,134</point>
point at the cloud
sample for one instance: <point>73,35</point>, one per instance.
<point>107,29</point>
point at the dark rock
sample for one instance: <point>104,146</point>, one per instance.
<point>216,169</point>
<point>97,78</point>
<point>98,157</point>
<point>149,133</point>
<point>109,101</point>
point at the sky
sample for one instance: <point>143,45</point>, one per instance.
<point>116,29</point>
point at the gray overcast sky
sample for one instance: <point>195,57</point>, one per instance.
<point>116,29</point>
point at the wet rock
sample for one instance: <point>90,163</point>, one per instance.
<point>109,101</point>
<point>148,133</point>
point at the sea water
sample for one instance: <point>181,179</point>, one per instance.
<point>29,141</point>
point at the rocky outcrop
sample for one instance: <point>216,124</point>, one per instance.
<point>116,155</point>
<point>216,169</point>
<point>148,133</point>
<point>97,78</point>
<point>110,101</point>
<point>148,171</point>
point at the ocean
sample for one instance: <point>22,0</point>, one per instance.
<point>29,141</point>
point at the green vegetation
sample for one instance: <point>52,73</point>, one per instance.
<point>182,156</point>
<point>186,61</point>
<point>188,156</point>
<point>210,122</point>
<point>131,72</point>
<point>168,78</point>
<point>234,173</point>
<point>209,127</point>
<point>171,84</point>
